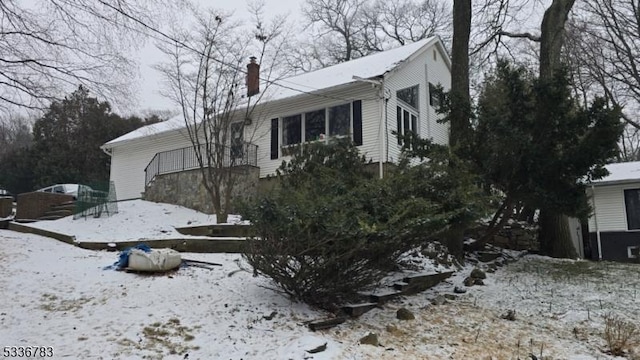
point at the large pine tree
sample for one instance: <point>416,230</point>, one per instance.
<point>538,146</point>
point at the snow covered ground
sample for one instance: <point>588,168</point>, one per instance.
<point>58,295</point>
<point>135,220</point>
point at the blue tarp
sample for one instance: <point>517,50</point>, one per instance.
<point>123,260</point>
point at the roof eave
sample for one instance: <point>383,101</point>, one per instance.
<point>614,182</point>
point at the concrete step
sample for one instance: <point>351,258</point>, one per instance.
<point>421,282</point>
<point>355,310</point>
<point>218,230</point>
<point>384,295</point>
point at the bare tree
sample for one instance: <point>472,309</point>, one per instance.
<point>630,145</point>
<point>342,30</point>
<point>49,47</point>
<point>15,133</point>
<point>605,48</point>
<point>393,23</point>
<point>205,77</point>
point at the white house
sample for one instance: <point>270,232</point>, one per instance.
<point>366,99</point>
<point>614,226</point>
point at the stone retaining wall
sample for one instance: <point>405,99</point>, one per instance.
<point>185,188</point>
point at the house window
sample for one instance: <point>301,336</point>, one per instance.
<point>315,125</point>
<point>409,96</point>
<point>340,120</point>
<point>292,130</point>
<point>407,121</point>
<point>407,111</point>
<point>632,205</point>
<point>435,96</point>
<point>632,252</point>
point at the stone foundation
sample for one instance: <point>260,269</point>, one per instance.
<point>185,188</point>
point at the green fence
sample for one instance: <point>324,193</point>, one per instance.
<point>96,199</point>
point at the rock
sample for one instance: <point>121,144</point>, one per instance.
<point>404,314</point>
<point>499,262</point>
<point>509,315</point>
<point>370,339</point>
<point>491,271</point>
<point>478,282</point>
<point>478,274</point>
<point>469,281</point>
<point>459,290</point>
<point>450,297</point>
<point>439,300</point>
<point>392,329</point>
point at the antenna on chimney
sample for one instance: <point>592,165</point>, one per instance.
<point>253,77</point>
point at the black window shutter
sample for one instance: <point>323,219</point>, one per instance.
<point>274,139</point>
<point>399,124</point>
<point>357,122</point>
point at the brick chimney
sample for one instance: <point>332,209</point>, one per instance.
<point>253,77</point>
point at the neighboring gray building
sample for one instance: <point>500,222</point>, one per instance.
<point>614,226</point>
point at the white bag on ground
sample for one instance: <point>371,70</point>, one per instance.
<point>156,260</point>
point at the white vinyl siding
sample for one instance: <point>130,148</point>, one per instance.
<point>129,160</point>
<point>420,71</point>
<point>609,207</point>
<point>261,134</point>
<point>438,73</point>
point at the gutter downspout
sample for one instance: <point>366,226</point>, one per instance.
<point>383,134</point>
<point>595,219</point>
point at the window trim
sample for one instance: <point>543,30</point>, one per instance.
<point>626,213</point>
<point>403,107</point>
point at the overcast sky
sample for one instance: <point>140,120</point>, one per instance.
<point>150,81</point>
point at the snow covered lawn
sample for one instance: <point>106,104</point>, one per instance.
<point>54,294</point>
<point>135,220</point>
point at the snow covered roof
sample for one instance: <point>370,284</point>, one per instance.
<point>620,173</point>
<point>367,67</point>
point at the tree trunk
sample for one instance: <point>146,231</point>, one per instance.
<point>460,100</point>
<point>454,239</point>
<point>459,93</point>
<point>552,36</point>
<point>554,234</point>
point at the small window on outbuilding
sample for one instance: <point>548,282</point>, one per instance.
<point>632,205</point>
<point>633,251</point>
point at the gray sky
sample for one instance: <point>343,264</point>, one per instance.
<point>149,81</point>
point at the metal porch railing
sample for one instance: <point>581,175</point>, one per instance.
<point>185,159</point>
